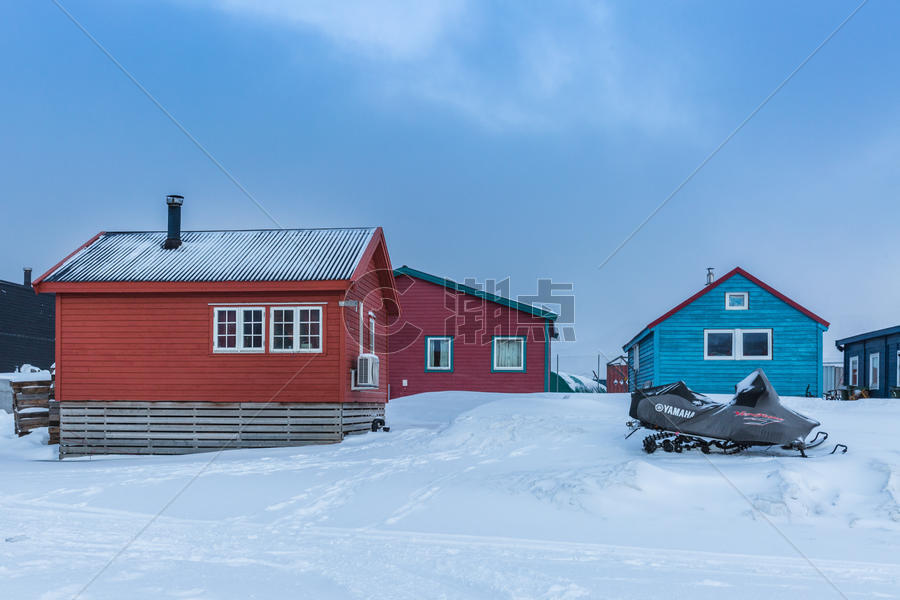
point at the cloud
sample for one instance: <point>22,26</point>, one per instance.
<point>395,30</point>
<point>519,67</point>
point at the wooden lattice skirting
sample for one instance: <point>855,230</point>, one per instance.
<point>88,428</point>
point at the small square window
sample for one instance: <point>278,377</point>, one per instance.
<point>438,353</point>
<point>239,330</point>
<point>719,344</point>
<point>508,354</point>
<point>737,301</point>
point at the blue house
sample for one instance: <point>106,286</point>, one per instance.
<point>872,360</point>
<point>732,326</point>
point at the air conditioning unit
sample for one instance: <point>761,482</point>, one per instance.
<point>367,371</point>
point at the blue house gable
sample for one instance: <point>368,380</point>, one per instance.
<point>716,337</point>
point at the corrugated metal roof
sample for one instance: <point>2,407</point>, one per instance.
<point>255,255</point>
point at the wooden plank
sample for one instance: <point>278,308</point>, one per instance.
<point>31,402</point>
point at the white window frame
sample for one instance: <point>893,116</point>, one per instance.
<point>854,367</point>
<point>372,323</point>
<point>428,354</point>
<point>746,305</point>
<point>739,355</point>
<point>737,344</point>
<point>706,333</point>
<point>296,335</point>
<point>239,330</point>
<point>636,361</point>
<point>495,354</point>
<point>875,361</point>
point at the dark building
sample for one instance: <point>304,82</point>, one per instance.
<point>27,325</point>
<point>872,361</point>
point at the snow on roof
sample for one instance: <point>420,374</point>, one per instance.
<point>251,255</point>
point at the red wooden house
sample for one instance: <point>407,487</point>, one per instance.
<point>451,336</point>
<point>170,342</point>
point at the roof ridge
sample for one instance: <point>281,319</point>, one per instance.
<point>467,289</point>
<point>243,230</point>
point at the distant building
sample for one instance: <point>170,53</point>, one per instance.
<point>452,336</point>
<point>27,324</point>
<point>617,375</point>
<point>732,326</point>
<point>872,361</point>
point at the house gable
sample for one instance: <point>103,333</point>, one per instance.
<point>677,339</point>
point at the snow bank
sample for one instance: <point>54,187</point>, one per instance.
<point>469,496</point>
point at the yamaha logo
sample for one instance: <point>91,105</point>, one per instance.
<point>681,413</point>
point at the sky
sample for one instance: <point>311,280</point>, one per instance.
<point>489,139</point>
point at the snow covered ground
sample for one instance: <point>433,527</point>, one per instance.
<point>469,496</point>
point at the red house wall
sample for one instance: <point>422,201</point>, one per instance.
<point>427,309</point>
<point>368,288</point>
<point>158,346</point>
<point>616,373</point>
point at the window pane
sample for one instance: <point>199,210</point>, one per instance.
<point>226,329</point>
<point>252,328</point>
<point>509,354</point>
<point>719,344</point>
<point>283,329</point>
<point>736,300</point>
<point>310,329</point>
<point>439,354</point>
<point>756,344</point>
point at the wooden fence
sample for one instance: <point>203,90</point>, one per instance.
<point>88,428</point>
<point>33,407</point>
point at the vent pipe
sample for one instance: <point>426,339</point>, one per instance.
<point>173,238</point>
<point>710,275</point>
<point>27,280</point>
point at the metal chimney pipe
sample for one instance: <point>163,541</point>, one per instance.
<point>710,275</point>
<point>173,238</point>
<point>27,281</point>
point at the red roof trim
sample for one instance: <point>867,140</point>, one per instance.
<point>116,287</point>
<point>38,281</point>
<point>726,277</point>
<point>378,242</point>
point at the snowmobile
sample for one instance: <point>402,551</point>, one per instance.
<point>684,420</point>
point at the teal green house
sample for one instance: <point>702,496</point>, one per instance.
<point>732,326</point>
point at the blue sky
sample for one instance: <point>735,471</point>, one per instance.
<point>519,139</point>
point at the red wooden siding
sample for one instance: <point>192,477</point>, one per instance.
<point>372,280</point>
<point>616,379</point>
<point>149,347</point>
<point>427,309</point>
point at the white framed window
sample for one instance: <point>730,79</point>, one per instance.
<point>372,333</point>
<point>508,353</point>
<point>239,329</point>
<point>853,376</point>
<point>737,300</point>
<point>636,361</point>
<point>737,344</point>
<point>755,344</point>
<point>438,353</point>
<point>718,344</point>
<point>295,329</point>
<point>874,370</point>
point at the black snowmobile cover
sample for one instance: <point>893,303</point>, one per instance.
<point>754,415</point>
